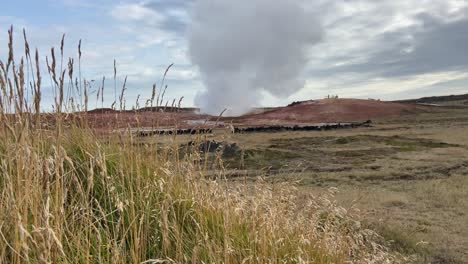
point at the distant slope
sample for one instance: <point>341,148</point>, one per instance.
<point>297,113</point>
<point>166,109</point>
<point>461,99</point>
<point>330,110</point>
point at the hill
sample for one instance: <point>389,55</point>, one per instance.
<point>330,110</point>
<point>461,99</point>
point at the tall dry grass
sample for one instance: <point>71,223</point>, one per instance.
<point>68,196</point>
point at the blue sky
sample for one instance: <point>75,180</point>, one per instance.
<point>387,49</point>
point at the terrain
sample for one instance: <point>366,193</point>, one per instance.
<point>299,113</point>
<point>407,174</point>
<point>404,176</point>
<point>330,110</point>
<point>448,100</point>
<point>83,187</point>
<point>86,187</point>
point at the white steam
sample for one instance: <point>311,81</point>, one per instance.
<point>244,47</point>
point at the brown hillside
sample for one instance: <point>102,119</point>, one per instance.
<point>331,110</point>
<point>306,112</point>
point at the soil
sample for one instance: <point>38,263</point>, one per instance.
<point>299,113</point>
<point>332,110</point>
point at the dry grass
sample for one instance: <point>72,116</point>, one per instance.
<point>67,196</point>
<point>408,176</point>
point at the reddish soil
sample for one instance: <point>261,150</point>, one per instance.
<point>330,110</point>
<point>307,112</point>
<point>142,119</point>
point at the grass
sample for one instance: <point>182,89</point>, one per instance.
<point>303,153</point>
<point>406,176</point>
<point>68,195</point>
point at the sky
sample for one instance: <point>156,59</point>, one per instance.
<point>386,49</point>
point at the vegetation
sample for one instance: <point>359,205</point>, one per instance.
<point>71,195</point>
<point>407,176</point>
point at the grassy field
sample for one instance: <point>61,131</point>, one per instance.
<point>396,192</point>
<point>71,195</point>
<point>408,177</point>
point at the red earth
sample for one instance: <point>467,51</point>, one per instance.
<point>306,112</point>
<point>331,111</point>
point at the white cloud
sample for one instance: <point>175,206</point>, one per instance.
<point>142,24</point>
<point>136,13</point>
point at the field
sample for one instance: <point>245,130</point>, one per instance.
<point>80,186</point>
<point>408,176</point>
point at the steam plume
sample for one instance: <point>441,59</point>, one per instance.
<point>244,47</point>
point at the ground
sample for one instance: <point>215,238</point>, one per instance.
<point>408,175</point>
<point>299,113</point>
